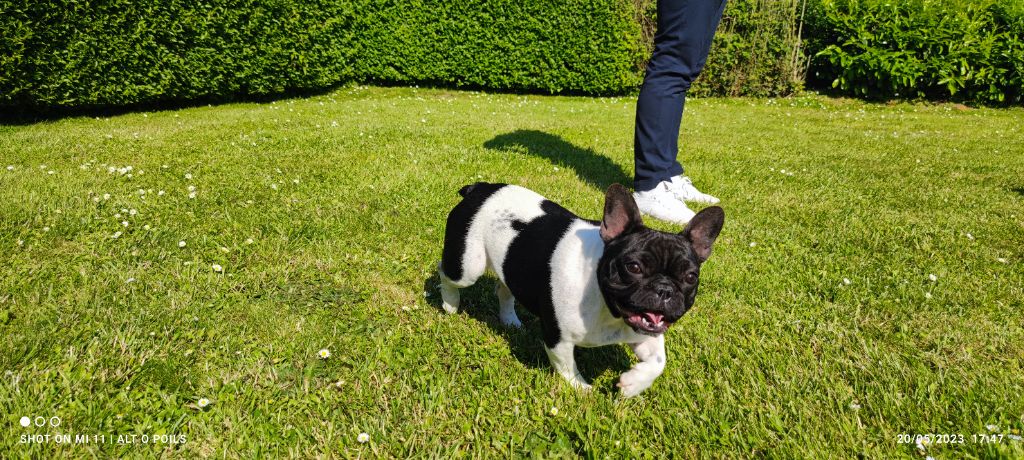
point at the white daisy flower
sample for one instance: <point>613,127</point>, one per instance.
<point>106,196</point>
<point>146,227</point>
<point>248,241</point>
<point>933,277</point>
<point>129,280</point>
<point>854,406</point>
<point>188,176</point>
<point>192,195</point>
<point>124,222</point>
<point>46,229</point>
<point>10,167</point>
<point>160,193</point>
<point>132,212</point>
<point>921,442</point>
<point>116,235</point>
<point>553,412</point>
<point>846,281</point>
<point>181,244</point>
<point>191,188</point>
<point>752,244</point>
<point>203,402</point>
<point>992,428</point>
<point>1001,260</point>
<point>324,353</point>
<point>927,295</point>
<point>363,438</point>
<point>970,237</point>
<point>217,268</point>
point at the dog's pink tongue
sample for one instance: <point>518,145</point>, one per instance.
<point>654,318</point>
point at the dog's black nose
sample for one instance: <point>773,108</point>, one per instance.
<point>664,293</point>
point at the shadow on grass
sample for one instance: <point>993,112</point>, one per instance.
<point>480,303</point>
<point>1018,190</point>
<point>20,114</point>
<point>593,168</point>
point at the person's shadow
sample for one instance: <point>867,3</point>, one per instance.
<point>480,303</point>
<point>593,168</point>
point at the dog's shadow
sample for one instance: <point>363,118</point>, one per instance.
<point>480,303</point>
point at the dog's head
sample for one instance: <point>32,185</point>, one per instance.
<point>649,278</point>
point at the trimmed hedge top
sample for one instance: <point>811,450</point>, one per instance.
<point>62,53</point>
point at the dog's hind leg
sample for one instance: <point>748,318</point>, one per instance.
<point>507,306</point>
<point>463,261</point>
<point>449,296</point>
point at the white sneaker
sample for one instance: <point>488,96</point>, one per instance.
<point>682,187</point>
<point>661,203</point>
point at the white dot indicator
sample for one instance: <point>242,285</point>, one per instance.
<point>25,422</point>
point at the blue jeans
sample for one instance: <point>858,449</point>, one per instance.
<point>681,45</point>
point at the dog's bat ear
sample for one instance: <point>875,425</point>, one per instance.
<point>621,214</point>
<point>703,229</point>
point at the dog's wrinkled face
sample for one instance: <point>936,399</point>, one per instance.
<point>649,278</point>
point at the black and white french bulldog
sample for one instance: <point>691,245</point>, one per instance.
<point>590,283</point>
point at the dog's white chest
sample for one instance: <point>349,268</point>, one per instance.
<point>583,317</point>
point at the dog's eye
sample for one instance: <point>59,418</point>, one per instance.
<point>690,278</point>
<point>633,268</point>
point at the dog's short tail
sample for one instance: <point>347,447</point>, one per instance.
<point>469,188</point>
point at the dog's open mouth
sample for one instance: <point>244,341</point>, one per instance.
<point>647,322</point>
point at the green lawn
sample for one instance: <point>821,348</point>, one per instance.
<point>819,330</point>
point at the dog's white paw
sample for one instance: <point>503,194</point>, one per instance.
<point>633,383</point>
<point>581,385</point>
<point>449,298</point>
<point>511,321</point>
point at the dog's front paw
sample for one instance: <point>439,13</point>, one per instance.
<point>581,385</point>
<point>633,383</point>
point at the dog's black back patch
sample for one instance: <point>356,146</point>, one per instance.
<point>457,227</point>
<point>527,265</point>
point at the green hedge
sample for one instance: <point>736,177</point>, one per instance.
<point>67,53</point>
<point>74,53</point>
<point>756,51</point>
<point>964,50</point>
